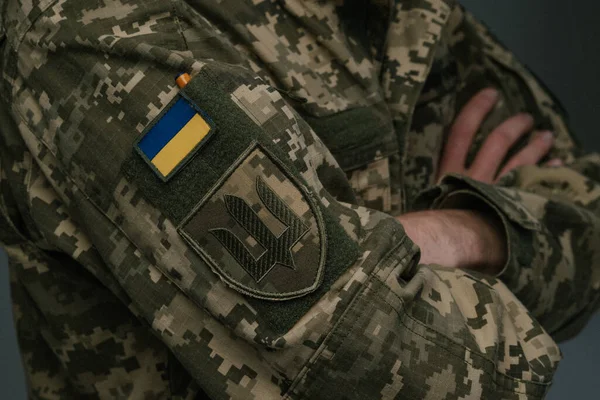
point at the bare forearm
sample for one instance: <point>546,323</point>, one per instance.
<point>457,238</point>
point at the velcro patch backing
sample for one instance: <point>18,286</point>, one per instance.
<point>186,192</point>
<point>260,230</point>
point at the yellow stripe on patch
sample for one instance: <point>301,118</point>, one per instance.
<point>181,145</point>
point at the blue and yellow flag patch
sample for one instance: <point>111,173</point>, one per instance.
<point>174,138</point>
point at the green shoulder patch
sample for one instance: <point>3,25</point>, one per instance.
<point>260,230</point>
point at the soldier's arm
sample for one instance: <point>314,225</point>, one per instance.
<point>551,215</point>
<point>471,238</point>
<point>227,245</point>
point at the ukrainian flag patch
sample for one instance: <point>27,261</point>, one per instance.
<point>174,138</point>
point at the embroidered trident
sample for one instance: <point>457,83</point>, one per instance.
<point>278,249</point>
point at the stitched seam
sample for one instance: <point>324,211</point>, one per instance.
<point>407,118</point>
<point>472,351</point>
<point>334,330</point>
<point>4,209</point>
<point>25,24</point>
<point>460,181</point>
<point>355,326</point>
<point>178,24</point>
<point>349,307</point>
<point>22,28</point>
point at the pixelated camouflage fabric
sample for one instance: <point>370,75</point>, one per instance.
<point>110,301</point>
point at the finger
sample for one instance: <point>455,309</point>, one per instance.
<point>463,130</point>
<point>532,153</point>
<point>555,162</point>
<point>496,146</point>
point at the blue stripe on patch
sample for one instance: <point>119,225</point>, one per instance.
<point>166,128</point>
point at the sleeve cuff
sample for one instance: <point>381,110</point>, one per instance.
<point>460,192</point>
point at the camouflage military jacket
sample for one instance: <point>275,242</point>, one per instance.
<point>236,237</point>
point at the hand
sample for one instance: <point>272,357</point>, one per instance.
<point>487,164</point>
<point>457,238</point>
<point>471,239</point>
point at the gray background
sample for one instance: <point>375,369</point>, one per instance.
<point>559,40</point>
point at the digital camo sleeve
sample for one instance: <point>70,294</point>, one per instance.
<point>551,215</point>
<point>199,214</point>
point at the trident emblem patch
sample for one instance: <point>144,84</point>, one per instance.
<point>260,230</point>
<point>278,249</point>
